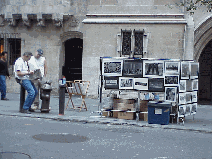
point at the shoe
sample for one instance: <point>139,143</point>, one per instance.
<point>31,110</point>
<point>35,107</point>
<point>4,99</point>
<point>25,111</point>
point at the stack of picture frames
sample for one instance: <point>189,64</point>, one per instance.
<point>177,79</point>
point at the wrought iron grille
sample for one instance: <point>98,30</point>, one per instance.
<point>138,50</point>
<point>126,42</point>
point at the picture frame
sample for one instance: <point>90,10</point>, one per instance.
<point>188,110</point>
<point>193,108</point>
<point>111,82</point>
<point>112,67</point>
<point>181,111</point>
<point>170,94</point>
<point>189,85</point>
<point>156,85</point>
<point>185,70</point>
<point>195,85</point>
<point>132,68</point>
<point>172,67</point>
<point>194,70</point>
<point>141,83</point>
<point>182,98</point>
<point>126,83</point>
<point>182,86</point>
<point>171,80</point>
<point>153,68</point>
<point>194,97</point>
<point>188,97</point>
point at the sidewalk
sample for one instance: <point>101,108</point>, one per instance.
<point>202,120</point>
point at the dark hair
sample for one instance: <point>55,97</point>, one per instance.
<point>27,54</point>
<point>3,53</point>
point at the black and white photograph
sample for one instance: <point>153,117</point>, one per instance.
<point>171,80</point>
<point>156,85</point>
<point>182,98</point>
<point>195,85</point>
<point>170,94</point>
<point>194,97</point>
<point>125,83</point>
<point>194,70</point>
<point>193,108</point>
<point>182,110</point>
<point>188,97</point>
<point>141,83</point>
<point>112,67</point>
<point>182,86</point>
<point>188,110</point>
<point>172,67</point>
<point>111,82</point>
<point>153,68</point>
<point>185,70</point>
<point>133,68</point>
<point>189,85</point>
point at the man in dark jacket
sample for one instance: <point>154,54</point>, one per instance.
<point>3,73</point>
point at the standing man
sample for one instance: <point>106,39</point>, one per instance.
<point>22,73</point>
<point>3,73</point>
<point>40,61</point>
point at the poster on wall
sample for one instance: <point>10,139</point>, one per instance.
<point>141,83</point>
<point>171,80</point>
<point>194,97</point>
<point>185,70</point>
<point>153,68</point>
<point>194,108</point>
<point>182,87</point>
<point>112,67</point>
<point>188,97</point>
<point>182,98</point>
<point>126,83</point>
<point>156,85</point>
<point>195,85</point>
<point>172,67</point>
<point>182,110</point>
<point>170,94</point>
<point>111,82</point>
<point>194,70</point>
<point>133,68</point>
<point>189,85</point>
<point>188,110</point>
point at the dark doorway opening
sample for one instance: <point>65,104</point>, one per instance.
<point>205,75</point>
<point>72,69</point>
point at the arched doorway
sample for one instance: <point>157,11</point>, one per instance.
<point>72,69</point>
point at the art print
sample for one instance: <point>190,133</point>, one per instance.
<point>172,67</point>
<point>112,67</point>
<point>182,98</point>
<point>133,68</point>
<point>189,85</point>
<point>194,70</point>
<point>188,97</point>
<point>195,85</point>
<point>141,83</point>
<point>194,97</point>
<point>182,86</point>
<point>111,82</point>
<point>194,108</point>
<point>171,80</point>
<point>182,111</point>
<point>170,94</point>
<point>188,110</point>
<point>156,84</point>
<point>185,70</point>
<point>126,83</point>
<point>153,68</point>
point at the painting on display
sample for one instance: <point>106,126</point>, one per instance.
<point>195,85</point>
<point>182,98</point>
<point>182,111</point>
<point>185,70</point>
<point>172,67</point>
<point>182,87</point>
<point>171,80</point>
<point>126,83</point>
<point>141,83</point>
<point>153,68</point>
<point>194,97</point>
<point>194,108</point>
<point>170,94</point>
<point>156,84</point>
<point>194,70</point>
<point>112,67</point>
<point>188,110</point>
<point>189,85</point>
<point>133,68</point>
<point>188,97</point>
<point>111,82</point>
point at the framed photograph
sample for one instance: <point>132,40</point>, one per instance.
<point>156,85</point>
<point>194,97</point>
<point>189,85</point>
<point>185,70</point>
<point>182,98</point>
<point>111,82</point>
<point>195,85</point>
<point>170,94</point>
<point>194,108</point>
<point>133,68</point>
<point>188,97</point>
<point>171,80</point>
<point>188,110</point>
<point>194,70</point>
<point>126,83</point>
<point>153,68</point>
<point>112,67</point>
<point>182,110</point>
<point>141,83</point>
<point>172,67</point>
<point>182,87</point>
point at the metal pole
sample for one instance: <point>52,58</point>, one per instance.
<point>22,98</point>
<point>62,99</point>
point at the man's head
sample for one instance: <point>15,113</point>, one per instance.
<point>27,56</point>
<point>4,55</point>
<point>38,53</point>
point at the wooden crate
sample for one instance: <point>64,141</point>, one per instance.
<point>143,105</point>
<point>143,116</point>
<point>115,114</point>
<point>126,115</point>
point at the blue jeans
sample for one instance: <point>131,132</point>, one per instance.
<point>32,92</point>
<point>3,86</point>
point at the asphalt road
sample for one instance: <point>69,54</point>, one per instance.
<point>24,137</point>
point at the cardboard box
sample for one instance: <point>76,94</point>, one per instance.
<point>126,115</point>
<point>124,106</point>
<point>143,105</point>
<point>115,114</point>
<point>106,113</point>
<point>143,116</point>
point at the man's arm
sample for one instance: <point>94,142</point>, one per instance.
<point>19,73</point>
<point>45,68</point>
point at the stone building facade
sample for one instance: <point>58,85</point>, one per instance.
<point>74,34</point>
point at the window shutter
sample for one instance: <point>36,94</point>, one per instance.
<point>118,47</point>
<point>145,43</point>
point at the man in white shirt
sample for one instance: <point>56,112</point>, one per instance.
<point>22,72</point>
<point>41,64</point>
